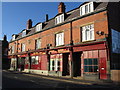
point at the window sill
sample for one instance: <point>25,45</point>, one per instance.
<point>87,41</point>
<point>59,45</point>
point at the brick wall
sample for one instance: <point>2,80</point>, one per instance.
<point>48,37</point>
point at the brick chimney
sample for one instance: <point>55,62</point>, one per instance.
<point>5,38</point>
<point>29,24</point>
<point>61,7</point>
<point>46,17</point>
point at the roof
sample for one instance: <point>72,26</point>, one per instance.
<point>70,15</point>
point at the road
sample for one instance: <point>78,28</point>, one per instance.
<point>12,80</point>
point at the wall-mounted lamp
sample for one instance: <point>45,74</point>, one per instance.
<point>48,45</point>
<point>100,33</point>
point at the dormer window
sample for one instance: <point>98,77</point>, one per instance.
<point>59,19</point>
<point>23,33</point>
<point>86,8</point>
<point>39,27</point>
<point>13,37</point>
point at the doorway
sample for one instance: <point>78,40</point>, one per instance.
<point>77,64</point>
<point>66,64</point>
<point>22,63</point>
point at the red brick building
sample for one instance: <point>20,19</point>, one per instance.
<point>73,43</point>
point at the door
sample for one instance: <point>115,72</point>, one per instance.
<point>102,68</point>
<point>77,63</point>
<point>66,65</point>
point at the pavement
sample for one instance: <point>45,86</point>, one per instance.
<point>75,80</point>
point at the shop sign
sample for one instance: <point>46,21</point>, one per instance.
<point>25,55</point>
<point>52,52</point>
<point>63,50</point>
<point>37,53</point>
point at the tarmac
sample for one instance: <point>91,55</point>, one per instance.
<point>74,80</point>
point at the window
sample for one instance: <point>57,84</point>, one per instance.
<point>91,65</point>
<point>88,32</point>
<point>13,37</point>
<point>23,33</point>
<point>38,43</point>
<point>12,49</point>
<point>59,19</point>
<point>39,27</point>
<point>55,62</point>
<point>60,39</point>
<point>23,47</point>
<point>34,59</point>
<point>87,8</point>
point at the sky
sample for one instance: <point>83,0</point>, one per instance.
<point>16,14</point>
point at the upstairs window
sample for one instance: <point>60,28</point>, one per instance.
<point>12,49</point>
<point>88,32</point>
<point>60,39</point>
<point>13,37</point>
<point>59,19</point>
<point>23,47</point>
<point>23,33</point>
<point>39,27</point>
<point>38,44</point>
<point>87,8</point>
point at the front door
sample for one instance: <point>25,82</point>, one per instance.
<point>102,68</point>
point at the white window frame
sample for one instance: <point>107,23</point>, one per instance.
<point>90,8</point>
<point>87,32</point>
<point>23,47</point>
<point>38,43</point>
<point>39,27</point>
<point>59,19</point>
<point>12,49</point>
<point>13,37</point>
<point>59,37</point>
<point>56,66</point>
<point>24,33</point>
<point>35,59</point>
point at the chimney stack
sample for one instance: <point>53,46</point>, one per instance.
<point>29,24</point>
<point>46,17</point>
<point>5,38</point>
<point>61,7</point>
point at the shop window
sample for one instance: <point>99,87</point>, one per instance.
<point>87,32</point>
<point>34,59</point>
<point>38,44</point>
<point>55,64</point>
<point>91,65</point>
<point>86,8</point>
<point>60,39</point>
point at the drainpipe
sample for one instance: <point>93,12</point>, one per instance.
<point>108,55</point>
<point>71,52</point>
<point>48,59</point>
<point>29,58</point>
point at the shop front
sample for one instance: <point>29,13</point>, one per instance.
<point>94,61</point>
<point>38,63</point>
<point>23,62</point>
<point>13,65</point>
